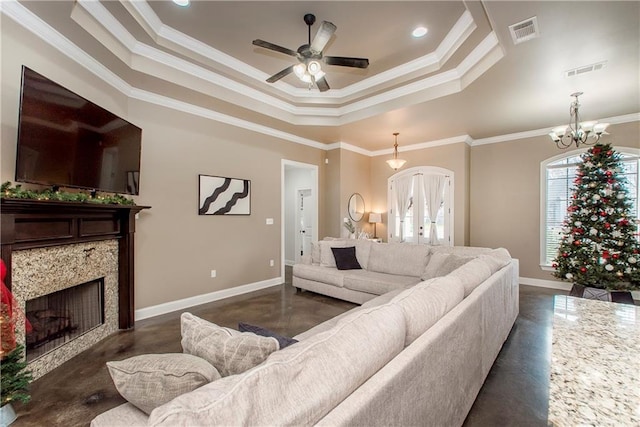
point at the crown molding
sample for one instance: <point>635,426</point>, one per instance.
<point>31,22</point>
<point>171,38</point>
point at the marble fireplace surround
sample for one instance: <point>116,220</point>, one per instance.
<point>42,271</point>
<point>51,245</point>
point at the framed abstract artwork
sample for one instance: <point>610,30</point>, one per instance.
<point>224,196</point>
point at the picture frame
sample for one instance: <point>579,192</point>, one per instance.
<point>218,195</point>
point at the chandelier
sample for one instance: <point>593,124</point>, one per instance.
<point>577,132</point>
<point>395,163</point>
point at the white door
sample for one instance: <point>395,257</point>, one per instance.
<point>304,222</point>
<point>416,225</point>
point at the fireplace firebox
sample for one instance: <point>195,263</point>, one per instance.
<point>62,316</point>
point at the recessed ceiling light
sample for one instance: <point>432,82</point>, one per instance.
<point>182,3</point>
<point>419,32</point>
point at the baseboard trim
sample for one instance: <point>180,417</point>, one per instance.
<point>553,284</point>
<point>168,307</point>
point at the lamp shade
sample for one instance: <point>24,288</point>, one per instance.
<point>396,163</point>
<point>375,217</point>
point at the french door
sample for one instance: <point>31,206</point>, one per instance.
<point>420,208</point>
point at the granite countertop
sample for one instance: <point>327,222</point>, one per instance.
<point>595,363</point>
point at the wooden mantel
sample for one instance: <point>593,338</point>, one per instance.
<point>28,224</point>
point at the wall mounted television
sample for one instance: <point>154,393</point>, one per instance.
<point>65,140</point>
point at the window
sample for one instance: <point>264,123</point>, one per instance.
<point>420,210</point>
<point>557,186</point>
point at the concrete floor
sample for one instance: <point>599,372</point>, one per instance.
<point>514,394</point>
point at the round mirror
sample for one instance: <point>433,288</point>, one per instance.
<point>356,207</point>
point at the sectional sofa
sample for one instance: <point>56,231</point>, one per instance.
<point>415,355</point>
<point>384,267</point>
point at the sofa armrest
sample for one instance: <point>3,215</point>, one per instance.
<point>305,259</point>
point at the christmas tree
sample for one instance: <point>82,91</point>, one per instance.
<point>599,247</point>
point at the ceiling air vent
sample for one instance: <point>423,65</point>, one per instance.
<point>585,69</point>
<point>525,30</point>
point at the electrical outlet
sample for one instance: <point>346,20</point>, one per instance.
<point>271,263</point>
<point>213,273</point>
<point>269,221</point>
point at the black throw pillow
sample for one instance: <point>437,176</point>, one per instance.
<point>346,258</point>
<point>258,330</point>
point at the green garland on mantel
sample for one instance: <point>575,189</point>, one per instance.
<point>8,191</point>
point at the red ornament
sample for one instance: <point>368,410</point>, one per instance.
<point>605,254</point>
<point>624,221</point>
<point>608,173</point>
<point>607,225</point>
<point>583,269</point>
<point>564,254</point>
<point>576,242</point>
<point>595,150</point>
<point>609,153</point>
<point>603,213</point>
<point>611,181</point>
<point>554,265</point>
<point>615,256</point>
<point>635,251</point>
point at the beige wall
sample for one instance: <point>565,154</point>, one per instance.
<point>175,247</point>
<point>505,194</point>
<point>354,178</point>
<point>454,157</point>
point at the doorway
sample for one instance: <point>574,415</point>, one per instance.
<point>299,210</point>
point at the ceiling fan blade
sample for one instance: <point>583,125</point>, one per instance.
<point>346,62</point>
<point>275,47</point>
<point>322,36</point>
<point>280,75</point>
<point>322,84</point>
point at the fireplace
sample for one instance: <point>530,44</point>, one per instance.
<point>62,316</point>
<point>43,278</point>
<point>51,246</point>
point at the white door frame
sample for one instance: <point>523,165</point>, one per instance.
<point>314,195</point>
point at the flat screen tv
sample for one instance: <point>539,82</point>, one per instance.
<point>65,140</point>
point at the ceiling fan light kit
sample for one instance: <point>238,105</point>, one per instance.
<point>309,70</point>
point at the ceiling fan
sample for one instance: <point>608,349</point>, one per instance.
<point>309,70</point>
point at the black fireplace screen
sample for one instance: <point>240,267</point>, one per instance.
<point>62,316</point>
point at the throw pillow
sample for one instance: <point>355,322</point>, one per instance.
<point>258,330</point>
<point>346,258</point>
<point>151,380</point>
<point>229,351</point>
<point>442,264</point>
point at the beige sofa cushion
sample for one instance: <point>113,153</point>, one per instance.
<point>496,259</point>
<point>472,251</point>
<point>376,283</point>
<point>150,380</point>
<point>299,384</point>
<point>426,303</point>
<point>330,276</point>
<point>472,274</point>
<point>229,351</point>
<point>440,264</point>
<point>403,259</point>
<point>363,251</point>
